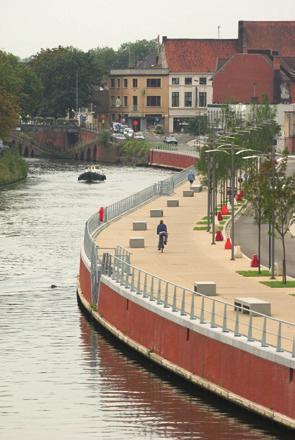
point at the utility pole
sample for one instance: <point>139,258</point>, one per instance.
<point>77,93</point>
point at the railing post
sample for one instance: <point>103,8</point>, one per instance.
<point>279,339</point>
<point>192,314</point>
<point>224,324</point>
<point>126,270</point>
<point>202,312</point>
<point>250,327</point>
<point>166,295</point>
<point>174,308</point>
<point>213,324</point>
<point>132,280</point>
<point>152,290</point>
<point>263,339</point>
<point>182,312</point>
<point>159,292</point>
<point>237,324</point>
<point>138,283</point>
<point>145,286</point>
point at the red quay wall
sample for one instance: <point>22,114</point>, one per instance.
<point>173,160</point>
<point>258,380</point>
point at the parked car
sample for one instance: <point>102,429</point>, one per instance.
<point>138,135</point>
<point>128,132</point>
<point>170,140</point>
<point>118,137</point>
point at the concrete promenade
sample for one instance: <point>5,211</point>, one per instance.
<point>189,255</point>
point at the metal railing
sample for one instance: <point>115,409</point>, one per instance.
<point>163,187</point>
<point>254,326</point>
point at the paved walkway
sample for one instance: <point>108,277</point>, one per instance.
<point>189,256</point>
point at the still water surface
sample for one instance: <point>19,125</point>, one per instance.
<point>60,378</point>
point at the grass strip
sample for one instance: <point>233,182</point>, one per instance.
<point>278,284</point>
<point>200,228</point>
<point>254,273</point>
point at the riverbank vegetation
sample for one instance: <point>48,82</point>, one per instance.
<point>133,152</point>
<point>12,168</point>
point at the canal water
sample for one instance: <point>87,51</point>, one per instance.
<point>60,377</point>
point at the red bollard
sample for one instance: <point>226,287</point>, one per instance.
<point>219,236</point>
<point>219,216</point>
<point>101,214</point>
<point>227,244</point>
<point>254,261</point>
<point>224,210</point>
<point>238,197</point>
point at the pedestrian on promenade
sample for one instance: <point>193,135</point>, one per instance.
<point>191,177</point>
<point>162,231</point>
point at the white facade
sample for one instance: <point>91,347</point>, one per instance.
<point>189,96</point>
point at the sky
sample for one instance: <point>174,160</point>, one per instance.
<point>27,26</point>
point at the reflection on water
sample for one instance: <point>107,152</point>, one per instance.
<point>59,376</point>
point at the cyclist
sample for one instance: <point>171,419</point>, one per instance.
<point>162,232</point>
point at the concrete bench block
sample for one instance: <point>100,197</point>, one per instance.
<point>156,212</point>
<point>247,304</point>
<point>136,242</point>
<point>172,203</point>
<point>188,193</point>
<point>139,226</point>
<point>196,188</point>
<point>207,288</point>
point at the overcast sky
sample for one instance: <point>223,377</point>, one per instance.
<point>26,26</point>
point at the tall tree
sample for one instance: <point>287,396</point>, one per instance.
<point>20,82</point>
<point>67,74</point>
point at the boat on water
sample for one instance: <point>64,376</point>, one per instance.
<point>92,174</point>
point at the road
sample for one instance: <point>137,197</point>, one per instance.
<point>247,238</point>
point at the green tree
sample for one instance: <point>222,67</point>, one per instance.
<point>64,71</point>
<point>8,113</point>
<point>20,82</point>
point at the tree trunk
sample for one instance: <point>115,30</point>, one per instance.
<point>284,279</point>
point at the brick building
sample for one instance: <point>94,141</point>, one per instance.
<point>264,64</point>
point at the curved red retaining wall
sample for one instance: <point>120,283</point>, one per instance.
<point>170,159</point>
<point>265,383</point>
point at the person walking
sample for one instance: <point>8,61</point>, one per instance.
<point>162,232</point>
<point>191,177</point>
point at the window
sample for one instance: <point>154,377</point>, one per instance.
<point>112,82</point>
<point>125,101</point>
<point>188,81</point>
<point>153,101</point>
<point>118,101</point>
<point>125,83</point>
<point>113,101</point>
<point>134,83</point>
<point>187,99</point>
<point>134,103</point>
<point>202,99</point>
<point>118,83</point>
<point>175,81</point>
<point>153,82</point>
<point>175,99</point>
<point>203,80</point>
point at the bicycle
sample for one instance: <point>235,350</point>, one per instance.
<point>162,241</point>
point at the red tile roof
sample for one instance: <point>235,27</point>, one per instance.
<point>185,55</point>
<point>273,35</point>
